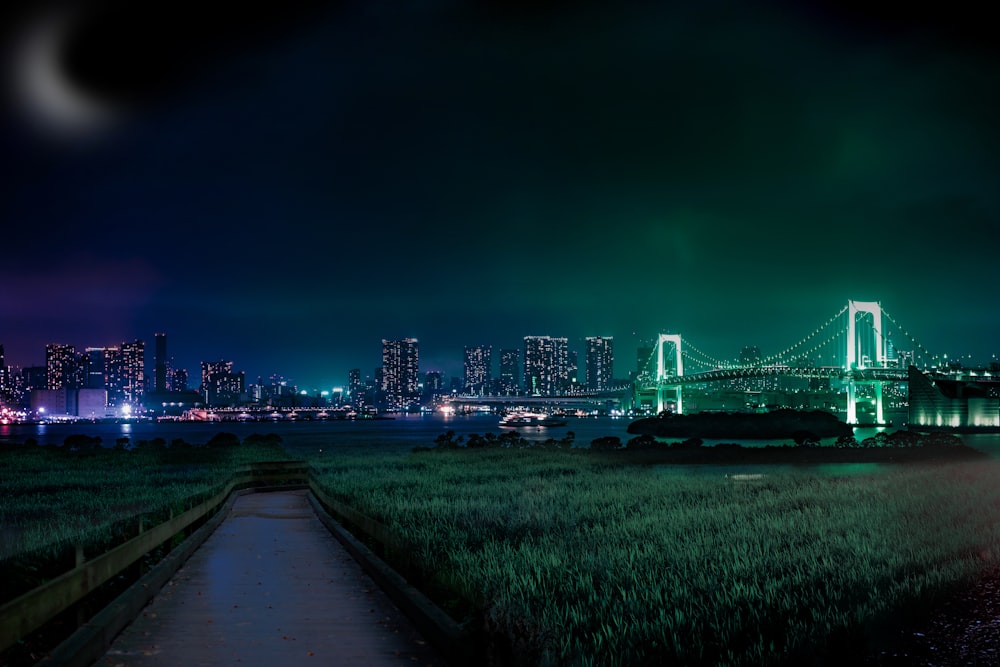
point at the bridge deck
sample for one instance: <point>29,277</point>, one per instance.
<point>271,586</point>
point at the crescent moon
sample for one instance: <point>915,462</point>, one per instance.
<point>47,99</point>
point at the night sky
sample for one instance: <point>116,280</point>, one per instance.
<point>283,188</point>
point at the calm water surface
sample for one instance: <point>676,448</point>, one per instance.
<point>400,434</point>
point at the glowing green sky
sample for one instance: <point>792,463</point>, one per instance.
<point>465,174</point>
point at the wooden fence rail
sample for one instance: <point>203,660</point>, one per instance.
<point>26,613</point>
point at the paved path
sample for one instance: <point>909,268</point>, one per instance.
<point>271,586</point>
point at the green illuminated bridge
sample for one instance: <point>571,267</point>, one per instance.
<point>859,339</point>
<point>857,336</point>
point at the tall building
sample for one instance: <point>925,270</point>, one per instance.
<point>179,380</point>
<point>114,375</point>
<point>133,361</point>
<point>61,367</point>
<point>510,371</point>
<point>220,385</point>
<point>160,363</point>
<point>95,368</point>
<point>354,384</point>
<point>645,363</point>
<point>5,383</point>
<point>433,386</point>
<point>572,370</point>
<point>546,365</point>
<point>600,362</point>
<point>750,355</point>
<point>400,372</point>
<point>478,369</point>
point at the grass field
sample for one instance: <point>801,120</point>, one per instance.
<point>574,557</point>
<point>52,498</point>
<point>561,558</point>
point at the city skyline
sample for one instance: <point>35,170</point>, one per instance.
<point>597,353</point>
<point>286,191</point>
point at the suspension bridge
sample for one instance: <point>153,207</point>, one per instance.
<point>858,339</point>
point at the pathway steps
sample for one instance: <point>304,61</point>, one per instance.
<point>271,586</point>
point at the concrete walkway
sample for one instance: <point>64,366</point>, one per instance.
<point>270,587</point>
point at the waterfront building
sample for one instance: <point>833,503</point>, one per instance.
<point>160,363</point>
<point>478,369</point>
<point>400,373</point>
<point>95,368</point>
<point>950,404</point>
<point>114,375</point>
<point>546,365</point>
<point>61,367</point>
<point>220,386</point>
<point>572,371</point>
<point>600,362</point>
<point>354,385</point>
<point>179,379</point>
<point>645,363</point>
<point>5,381</point>
<point>751,356</point>
<point>510,371</point>
<point>133,360</point>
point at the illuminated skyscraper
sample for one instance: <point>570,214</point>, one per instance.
<point>220,385</point>
<point>600,362</point>
<point>95,368</point>
<point>354,384</point>
<point>645,363</point>
<point>478,369</point>
<point>61,367</point>
<point>510,371</point>
<point>114,375</point>
<point>400,372</point>
<point>160,363</point>
<point>179,381</point>
<point>546,365</point>
<point>134,371</point>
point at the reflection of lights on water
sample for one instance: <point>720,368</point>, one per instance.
<point>126,427</point>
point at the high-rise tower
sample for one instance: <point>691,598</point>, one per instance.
<point>546,365</point>
<point>160,363</point>
<point>478,369</point>
<point>61,367</point>
<point>510,371</point>
<point>600,362</point>
<point>400,372</point>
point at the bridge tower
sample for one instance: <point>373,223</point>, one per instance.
<point>857,361</point>
<point>661,372</point>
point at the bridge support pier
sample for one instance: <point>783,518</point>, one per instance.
<point>852,403</point>
<point>661,372</point>
<point>879,411</point>
<point>661,399</point>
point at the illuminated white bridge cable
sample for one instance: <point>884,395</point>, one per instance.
<point>909,337</point>
<point>780,355</point>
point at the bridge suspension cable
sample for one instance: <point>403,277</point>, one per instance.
<point>837,333</point>
<point>906,333</point>
<point>700,357</point>
<point>768,361</point>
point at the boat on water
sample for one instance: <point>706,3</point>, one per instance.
<point>518,419</point>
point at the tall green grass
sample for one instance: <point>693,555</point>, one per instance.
<point>52,498</point>
<point>562,558</point>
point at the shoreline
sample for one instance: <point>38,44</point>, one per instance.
<point>734,454</point>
